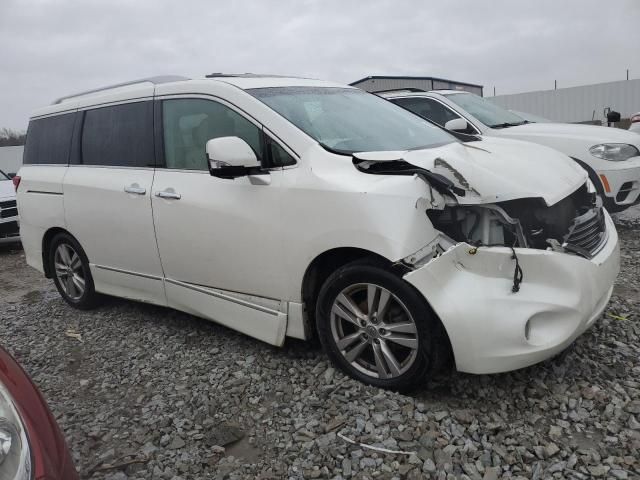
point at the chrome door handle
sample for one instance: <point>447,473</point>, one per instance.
<point>135,188</point>
<point>166,194</point>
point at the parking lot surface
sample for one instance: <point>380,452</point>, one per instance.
<point>146,392</point>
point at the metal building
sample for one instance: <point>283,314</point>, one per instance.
<point>376,83</point>
<point>577,104</point>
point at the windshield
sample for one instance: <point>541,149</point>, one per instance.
<point>531,118</point>
<point>3,176</point>
<point>487,112</point>
<point>348,120</point>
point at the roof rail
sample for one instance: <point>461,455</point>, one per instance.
<point>407,89</point>
<point>154,80</point>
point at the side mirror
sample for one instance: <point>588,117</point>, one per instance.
<point>230,157</point>
<point>457,125</point>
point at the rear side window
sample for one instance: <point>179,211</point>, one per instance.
<point>49,140</point>
<point>121,135</point>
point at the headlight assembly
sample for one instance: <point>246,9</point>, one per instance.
<point>615,152</point>
<point>15,456</point>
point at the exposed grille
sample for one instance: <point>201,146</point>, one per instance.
<point>587,233</point>
<point>8,209</point>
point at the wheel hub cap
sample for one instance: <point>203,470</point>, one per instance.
<point>371,331</point>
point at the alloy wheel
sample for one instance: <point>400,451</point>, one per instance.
<point>374,331</point>
<point>68,267</point>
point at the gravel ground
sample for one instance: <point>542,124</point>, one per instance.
<point>186,398</point>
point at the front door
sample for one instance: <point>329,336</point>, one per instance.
<point>219,239</point>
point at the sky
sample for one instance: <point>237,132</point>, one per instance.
<point>50,48</point>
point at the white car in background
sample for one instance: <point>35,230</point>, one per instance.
<point>281,207</point>
<point>531,118</point>
<point>635,123</point>
<point>611,156</point>
<point>9,225</point>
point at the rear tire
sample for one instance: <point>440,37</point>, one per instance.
<point>376,327</point>
<point>71,273</point>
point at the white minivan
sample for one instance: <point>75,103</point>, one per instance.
<point>288,207</point>
<point>611,156</point>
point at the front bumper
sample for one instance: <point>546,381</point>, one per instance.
<point>492,329</point>
<point>623,182</point>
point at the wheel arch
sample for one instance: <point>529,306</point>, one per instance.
<point>47,238</point>
<point>322,266</point>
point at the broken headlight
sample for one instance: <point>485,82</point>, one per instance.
<point>615,152</point>
<point>15,456</point>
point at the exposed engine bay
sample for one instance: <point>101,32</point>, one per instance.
<point>575,224</point>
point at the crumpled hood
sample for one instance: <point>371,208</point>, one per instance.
<point>7,190</point>
<point>592,134</point>
<point>495,169</point>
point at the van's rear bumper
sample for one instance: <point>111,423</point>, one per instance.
<point>492,329</point>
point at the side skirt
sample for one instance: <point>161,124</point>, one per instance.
<point>260,318</point>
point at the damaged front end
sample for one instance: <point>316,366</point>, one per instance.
<point>575,224</point>
<point>522,265</point>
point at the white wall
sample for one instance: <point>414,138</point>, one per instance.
<point>576,104</point>
<point>11,159</point>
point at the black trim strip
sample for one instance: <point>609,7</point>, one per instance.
<point>135,274</point>
<point>222,296</point>
<point>44,192</point>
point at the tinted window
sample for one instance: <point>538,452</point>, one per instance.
<point>189,123</point>
<point>427,108</point>
<point>121,135</point>
<point>49,140</point>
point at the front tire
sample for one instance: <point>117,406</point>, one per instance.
<point>71,273</point>
<point>376,327</point>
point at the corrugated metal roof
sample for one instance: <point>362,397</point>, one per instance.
<point>395,77</point>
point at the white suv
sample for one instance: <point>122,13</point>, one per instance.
<point>9,226</point>
<point>281,207</point>
<point>611,156</point>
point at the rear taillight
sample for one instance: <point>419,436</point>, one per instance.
<point>635,119</point>
<point>16,181</point>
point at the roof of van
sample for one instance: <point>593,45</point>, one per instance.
<point>144,88</point>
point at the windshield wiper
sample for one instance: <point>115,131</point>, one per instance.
<point>507,124</point>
